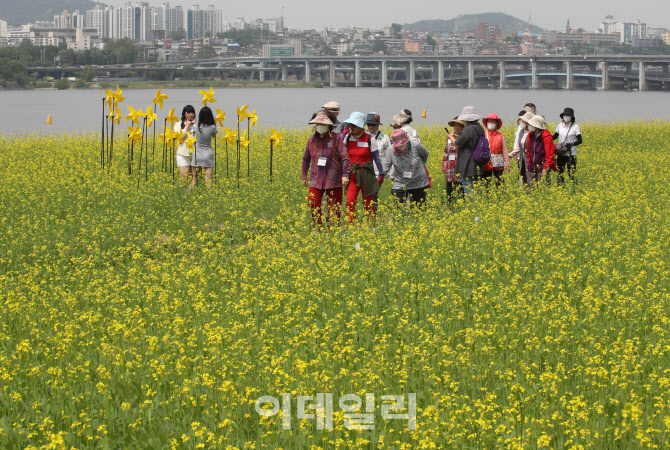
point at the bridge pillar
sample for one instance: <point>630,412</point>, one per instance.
<point>331,73</point>
<point>471,74</point>
<point>357,73</point>
<point>261,72</point>
<point>412,75</point>
<point>642,83</point>
<point>533,69</point>
<point>308,77</point>
<point>568,74</point>
<point>605,85</point>
<point>440,74</point>
<point>503,75</point>
<point>384,74</point>
<point>284,72</point>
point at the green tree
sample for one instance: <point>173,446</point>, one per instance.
<point>177,35</point>
<point>189,73</point>
<point>379,46</point>
<point>62,84</point>
<point>206,52</point>
<point>13,73</point>
<point>396,30</point>
<point>431,41</point>
<point>88,73</point>
<point>121,51</point>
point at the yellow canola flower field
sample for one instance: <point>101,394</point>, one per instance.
<point>144,315</point>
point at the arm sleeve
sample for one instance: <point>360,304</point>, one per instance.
<point>549,147</point>
<point>579,140</point>
<point>555,136</point>
<point>422,152</point>
<point>306,160</point>
<point>505,152</point>
<point>388,161</point>
<point>344,154</point>
<point>465,136</point>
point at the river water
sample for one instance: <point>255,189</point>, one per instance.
<point>80,110</point>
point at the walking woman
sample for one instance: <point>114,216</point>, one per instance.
<point>362,148</point>
<point>204,155</point>
<point>540,152</point>
<point>408,159</point>
<point>569,136</point>
<point>449,158</point>
<point>326,160</point>
<point>520,141</point>
<point>184,156</point>
<point>499,155</point>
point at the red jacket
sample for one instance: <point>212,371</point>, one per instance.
<point>548,149</point>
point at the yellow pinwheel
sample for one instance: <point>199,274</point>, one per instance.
<point>159,98</point>
<point>244,141</point>
<point>133,115</point>
<point>242,113</point>
<point>117,95</point>
<point>207,96</point>
<point>190,141</point>
<point>275,138</point>
<point>134,134</point>
<point>230,136</point>
<point>117,117</point>
<point>109,101</point>
<point>172,118</point>
<point>220,117</point>
<point>150,116</point>
<point>253,118</point>
<point>167,134</point>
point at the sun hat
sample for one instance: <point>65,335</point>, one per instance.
<point>332,105</point>
<point>455,121</point>
<point>493,117</point>
<point>537,121</point>
<point>568,112</point>
<point>527,116</point>
<point>397,120</point>
<point>356,118</point>
<point>530,107</point>
<point>469,114</point>
<point>405,116</point>
<point>320,119</point>
<point>373,119</point>
<point>399,137</point>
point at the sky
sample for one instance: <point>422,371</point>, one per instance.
<point>375,15</point>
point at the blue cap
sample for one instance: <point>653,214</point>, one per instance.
<point>356,118</point>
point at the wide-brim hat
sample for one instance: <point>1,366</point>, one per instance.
<point>356,118</point>
<point>469,114</point>
<point>527,116</point>
<point>320,119</point>
<point>455,121</point>
<point>537,121</point>
<point>332,105</point>
<point>373,119</point>
<point>568,112</point>
<point>492,117</point>
<point>399,137</point>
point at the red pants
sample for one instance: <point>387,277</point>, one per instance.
<point>334,200</point>
<point>352,200</point>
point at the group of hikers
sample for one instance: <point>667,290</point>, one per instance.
<point>355,157</point>
<point>343,156</point>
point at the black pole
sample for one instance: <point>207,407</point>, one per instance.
<point>238,154</point>
<point>102,143</point>
<point>146,153</point>
<point>111,148</point>
<point>227,172</point>
<point>271,153</point>
<point>164,142</point>
<point>248,147</point>
<point>215,136</point>
<point>153,151</point>
<point>130,158</point>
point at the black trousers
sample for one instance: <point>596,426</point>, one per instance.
<point>488,174</point>
<point>416,196</point>
<point>569,162</point>
<point>453,186</point>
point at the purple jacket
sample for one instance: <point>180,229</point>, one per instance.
<point>328,176</point>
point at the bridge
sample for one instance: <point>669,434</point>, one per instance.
<point>525,72</point>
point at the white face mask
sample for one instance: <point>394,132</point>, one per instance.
<point>531,128</point>
<point>492,126</point>
<point>402,148</point>
<point>322,129</point>
<point>567,119</point>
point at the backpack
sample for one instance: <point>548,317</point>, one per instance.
<point>482,152</point>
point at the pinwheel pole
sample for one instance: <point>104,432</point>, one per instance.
<point>130,157</point>
<point>111,148</point>
<point>102,143</point>
<point>106,152</point>
<point>216,136</point>
<point>248,147</point>
<point>164,146</point>
<point>146,151</point>
<point>271,151</point>
<point>238,151</point>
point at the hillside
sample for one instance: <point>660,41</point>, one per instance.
<point>34,10</point>
<point>467,22</point>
